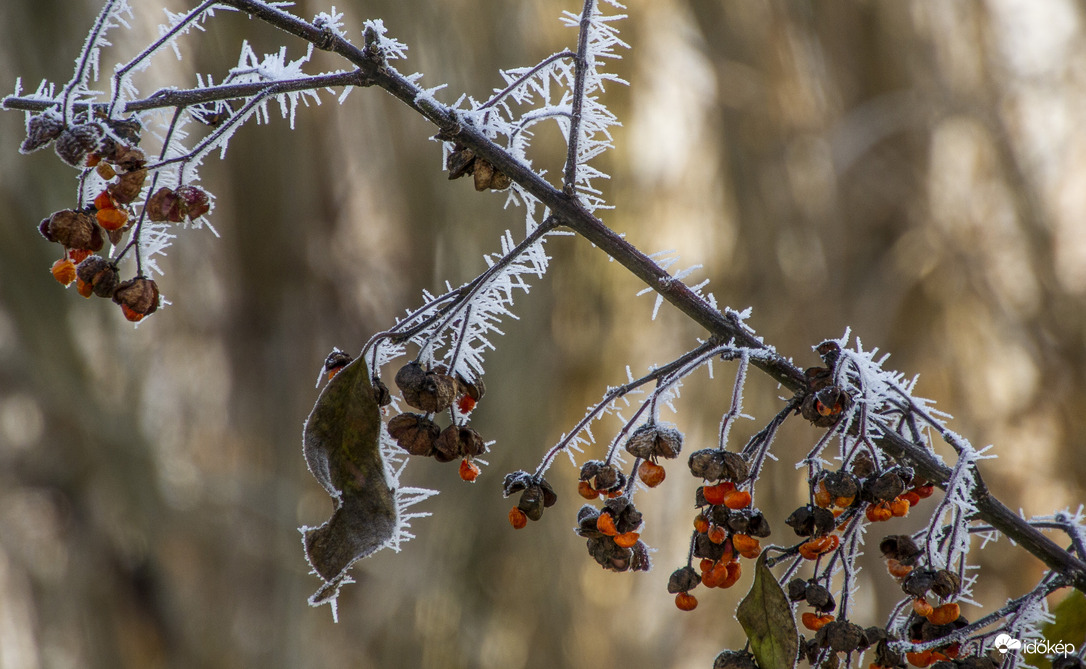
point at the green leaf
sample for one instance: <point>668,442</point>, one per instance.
<point>766,617</point>
<point>1068,626</point>
<point>341,448</point>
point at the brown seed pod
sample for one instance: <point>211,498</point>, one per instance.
<point>734,659</point>
<point>810,520</point>
<point>74,143</point>
<point>460,162</point>
<point>40,130</point>
<point>797,590</point>
<point>652,440</point>
<point>414,433</point>
<point>604,478</point>
<point>380,391</point>
<point>918,582</point>
<point>75,230</point>
<point>884,488</point>
<point>627,517</point>
<point>463,439</point>
<point>499,181</point>
<point>842,484</point>
<point>946,583</point>
<point>100,274</point>
<point>426,390</point>
<point>194,201</point>
<point>713,464</point>
<point>473,389</point>
<point>138,297</point>
<point>840,636</point>
<point>820,598</point>
<point>900,547</point>
<point>683,579</point>
<point>164,205</point>
<point>484,174</point>
<point>336,361</point>
<point>127,187</point>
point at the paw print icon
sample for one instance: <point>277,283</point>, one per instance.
<point>1004,643</point>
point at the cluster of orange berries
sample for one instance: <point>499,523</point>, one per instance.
<point>614,541</point>
<point>726,527</point>
<point>110,147</point>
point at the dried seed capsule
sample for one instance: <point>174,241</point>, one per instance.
<point>458,441</point>
<point>531,502</point>
<point>426,390</point>
<point>653,440</point>
<point>602,477</point>
<point>840,636</point>
<point>414,433</point>
<point>841,484</point>
<point>137,298</point>
<point>639,557</point>
<point>713,464</point>
<point>499,181</point>
<point>194,201</point>
<point>946,583</point>
<point>128,186</point>
<point>165,205</point>
<point>461,161</point>
<point>627,517</point>
<point>734,659</point>
<point>73,144</point>
<point>820,598</point>
<point>75,230</point>
<point>99,275</point>
<point>40,130</point>
<point>335,361</point>
<point>683,580</point>
<point>473,389</point>
<point>797,589</point>
<point>380,391</point>
<point>900,547</point>
<point>918,582</point>
<point>884,488</point>
<point>810,520</point>
<point>483,173</point>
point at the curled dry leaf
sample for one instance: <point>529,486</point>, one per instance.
<point>341,447</point>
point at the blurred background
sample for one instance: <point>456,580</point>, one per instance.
<point>913,170</point>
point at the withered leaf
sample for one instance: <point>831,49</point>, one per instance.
<point>766,617</point>
<point>341,447</point>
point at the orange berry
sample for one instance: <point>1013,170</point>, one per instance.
<point>896,569</point>
<point>717,534</point>
<point>734,571</point>
<point>922,607</point>
<point>651,474</point>
<point>951,652</point>
<point>85,289</point>
<point>812,548</point>
<point>469,471</point>
<point>93,159</point>
<point>714,577</point>
<point>585,489</point>
<point>131,314</point>
<point>815,622</point>
<point>924,491</point>
<point>921,659</point>
<point>627,539</point>
<point>911,497</point>
<point>746,545</point>
<point>614,493</point>
<point>844,502</point>
<point>715,494</point>
<point>517,518</point>
<point>947,613</point>
<point>706,564</point>
<point>78,255</point>
<point>112,219</point>
<point>64,271</point>
<point>686,602</point>
<point>103,201</point>
<point>701,523</point>
<point>899,508</point>
<point>467,403</point>
<point>876,513</point>
<point>822,496</point>
<point>606,524</point>
<point>737,499</point>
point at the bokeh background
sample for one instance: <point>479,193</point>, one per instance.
<point>912,169</point>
